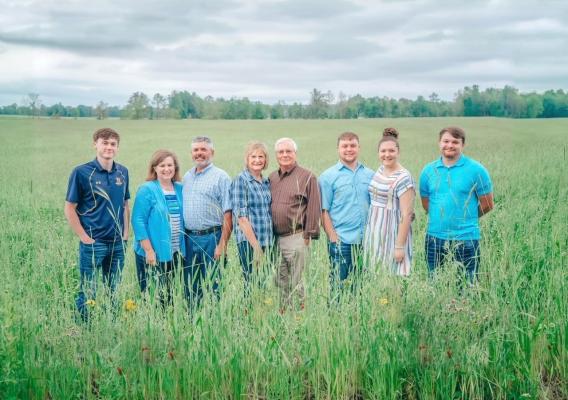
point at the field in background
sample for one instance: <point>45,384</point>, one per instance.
<point>411,339</point>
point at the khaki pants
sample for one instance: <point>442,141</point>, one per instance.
<point>293,254</point>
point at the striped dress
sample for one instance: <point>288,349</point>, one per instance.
<point>384,218</point>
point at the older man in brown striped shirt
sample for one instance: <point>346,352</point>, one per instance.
<point>296,209</point>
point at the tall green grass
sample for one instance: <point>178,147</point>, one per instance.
<point>409,339</point>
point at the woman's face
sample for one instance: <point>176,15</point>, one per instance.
<point>166,169</point>
<point>256,161</point>
<point>388,154</point>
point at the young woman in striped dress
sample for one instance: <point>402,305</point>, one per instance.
<point>388,235</point>
<point>158,224</point>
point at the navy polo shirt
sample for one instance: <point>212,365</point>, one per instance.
<point>100,196</point>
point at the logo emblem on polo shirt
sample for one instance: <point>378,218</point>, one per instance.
<point>119,181</point>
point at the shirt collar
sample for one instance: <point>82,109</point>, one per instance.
<point>459,163</point>
<point>207,168</point>
<point>249,176</point>
<point>100,167</point>
<point>340,165</point>
<point>283,174</point>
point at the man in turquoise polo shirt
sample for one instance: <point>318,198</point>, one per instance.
<point>96,208</point>
<point>456,191</point>
<point>345,203</point>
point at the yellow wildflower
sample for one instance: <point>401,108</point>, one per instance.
<point>91,303</point>
<point>268,301</point>
<point>383,301</point>
<point>130,305</point>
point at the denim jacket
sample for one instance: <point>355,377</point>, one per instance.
<point>150,220</point>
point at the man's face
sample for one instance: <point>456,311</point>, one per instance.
<point>450,147</point>
<point>285,155</point>
<point>348,150</point>
<point>201,154</point>
<point>106,148</point>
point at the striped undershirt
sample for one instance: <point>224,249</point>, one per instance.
<point>174,211</point>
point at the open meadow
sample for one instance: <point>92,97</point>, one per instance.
<point>412,339</point>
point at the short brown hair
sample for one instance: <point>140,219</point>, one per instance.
<point>156,159</point>
<point>455,131</point>
<point>389,135</point>
<point>254,146</point>
<point>106,133</point>
<point>347,136</point>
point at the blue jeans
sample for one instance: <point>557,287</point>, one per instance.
<point>465,252</point>
<point>344,260</point>
<point>164,272</point>
<point>201,270</point>
<point>109,258</point>
<point>246,258</point>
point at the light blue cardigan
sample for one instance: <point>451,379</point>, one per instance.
<point>150,220</point>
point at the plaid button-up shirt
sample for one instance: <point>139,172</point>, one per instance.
<point>251,199</point>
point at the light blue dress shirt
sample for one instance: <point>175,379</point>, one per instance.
<point>345,196</point>
<point>206,197</point>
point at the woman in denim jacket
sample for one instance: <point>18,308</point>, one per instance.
<point>157,222</point>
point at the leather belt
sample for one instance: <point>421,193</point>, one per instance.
<point>202,232</point>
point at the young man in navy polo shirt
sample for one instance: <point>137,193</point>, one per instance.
<point>456,191</point>
<point>96,208</point>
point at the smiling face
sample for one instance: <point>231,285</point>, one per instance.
<point>256,162</point>
<point>285,155</point>
<point>106,148</point>
<point>450,147</point>
<point>348,151</point>
<point>388,154</point>
<point>165,170</point>
<point>201,154</point>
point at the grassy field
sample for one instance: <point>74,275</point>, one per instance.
<point>409,340</point>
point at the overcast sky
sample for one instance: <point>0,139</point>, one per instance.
<point>81,52</point>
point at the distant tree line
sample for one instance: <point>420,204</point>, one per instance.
<point>468,102</point>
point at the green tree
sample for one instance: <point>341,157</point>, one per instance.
<point>138,106</point>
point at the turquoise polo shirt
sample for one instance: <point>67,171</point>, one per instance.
<point>453,194</point>
<point>345,196</point>
<point>100,196</point>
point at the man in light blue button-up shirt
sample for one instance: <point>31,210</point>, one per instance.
<point>207,220</point>
<point>345,204</point>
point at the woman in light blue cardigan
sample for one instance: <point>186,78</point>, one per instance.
<point>157,221</point>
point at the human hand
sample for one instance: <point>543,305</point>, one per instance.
<point>333,238</point>
<point>258,256</point>
<point>219,250</point>
<point>151,257</point>
<point>398,255</point>
<point>87,240</point>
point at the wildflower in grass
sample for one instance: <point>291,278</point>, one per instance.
<point>383,301</point>
<point>130,305</point>
<point>91,303</point>
<point>298,317</point>
<point>268,301</point>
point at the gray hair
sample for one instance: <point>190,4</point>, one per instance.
<point>283,140</point>
<point>203,139</point>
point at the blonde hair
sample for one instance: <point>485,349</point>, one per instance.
<point>254,146</point>
<point>156,159</point>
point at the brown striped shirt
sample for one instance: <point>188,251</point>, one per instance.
<point>296,202</point>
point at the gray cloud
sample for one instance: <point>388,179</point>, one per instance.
<point>271,50</point>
